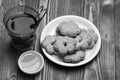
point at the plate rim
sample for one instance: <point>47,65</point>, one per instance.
<point>72,64</point>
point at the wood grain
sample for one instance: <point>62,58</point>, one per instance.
<point>101,13</point>
<point>104,14</point>
<point>58,8</point>
<point>8,55</point>
<point>91,12</point>
<point>107,53</point>
<point>117,37</point>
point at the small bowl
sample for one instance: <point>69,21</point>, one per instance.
<point>31,62</point>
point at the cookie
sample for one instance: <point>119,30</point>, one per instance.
<point>64,45</point>
<point>83,40</point>
<point>94,38</point>
<point>48,42</point>
<point>69,28</point>
<point>73,58</point>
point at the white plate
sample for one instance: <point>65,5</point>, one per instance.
<point>83,23</point>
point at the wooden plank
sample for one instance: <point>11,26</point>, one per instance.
<point>8,55</point>
<point>117,37</point>
<point>107,54</point>
<point>107,30</point>
<point>45,73</point>
<point>91,12</point>
<point>49,67</point>
<point>74,7</point>
<point>7,4</point>
<point>53,71</point>
<point>101,13</point>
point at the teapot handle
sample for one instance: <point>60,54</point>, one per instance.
<point>41,13</point>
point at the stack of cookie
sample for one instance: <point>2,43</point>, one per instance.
<point>70,42</point>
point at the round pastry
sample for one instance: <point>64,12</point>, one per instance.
<point>48,43</point>
<point>94,38</point>
<point>64,45</point>
<point>73,58</point>
<point>69,28</point>
<point>83,40</point>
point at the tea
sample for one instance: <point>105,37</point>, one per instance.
<point>21,23</point>
<point>23,28</point>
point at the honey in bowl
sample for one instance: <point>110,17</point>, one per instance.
<point>31,62</point>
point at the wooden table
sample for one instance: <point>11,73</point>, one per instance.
<point>105,14</point>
